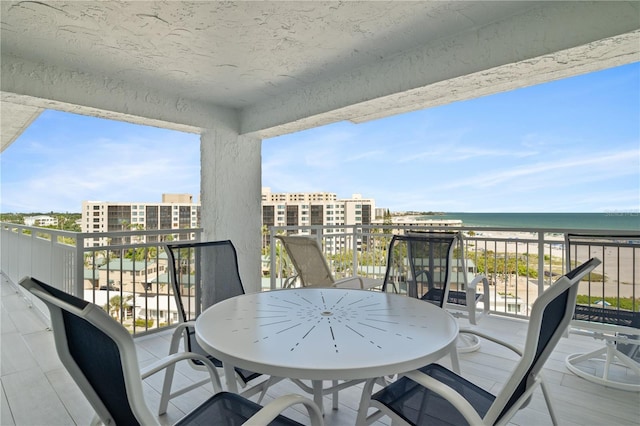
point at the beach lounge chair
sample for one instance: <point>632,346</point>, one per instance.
<point>435,395</point>
<point>100,355</point>
<point>617,363</point>
<point>312,269</point>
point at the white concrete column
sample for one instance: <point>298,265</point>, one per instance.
<point>231,197</point>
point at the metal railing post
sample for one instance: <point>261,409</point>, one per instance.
<point>354,249</point>
<point>79,266</point>
<point>541,263</point>
<point>272,249</point>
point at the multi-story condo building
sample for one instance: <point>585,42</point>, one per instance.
<point>315,208</point>
<point>176,211</point>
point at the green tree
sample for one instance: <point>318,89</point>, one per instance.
<point>387,220</point>
<point>504,265</point>
<point>265,239</point>
<point>12,218</point>
<point>116,306</point>
<point>138,254</point>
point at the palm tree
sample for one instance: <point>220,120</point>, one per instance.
<point>116,306</point>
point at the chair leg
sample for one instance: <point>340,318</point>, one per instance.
<point>572,361</point>
<point>624,359</point>
<point>335,396</point>
<point>547,398</point>
<point>168,375</point>
<point>263,392</point>
<point>576,358</point>
<point>612,354</point>
<point>365,400</point>
<point>166,389</point>
<point>264,387</point>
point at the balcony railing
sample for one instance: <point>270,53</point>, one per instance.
<point>126,272</point>
<point>519,263</point>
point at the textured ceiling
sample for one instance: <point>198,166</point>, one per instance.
<point>229,53</point>
<point>277,62</point>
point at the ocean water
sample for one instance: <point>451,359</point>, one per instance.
<point>619,221</point>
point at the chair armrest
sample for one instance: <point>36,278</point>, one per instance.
<point>349,282</point>
<point>426,273</point>
<point>371,283</point>
<point>270,411</point>
<point>289,282</point>
<point>492,339</point>
<point>167,361</point>
<point>448,393</point>
<point>358,282</point>
<point>178,334</point>
<point>471,291</point>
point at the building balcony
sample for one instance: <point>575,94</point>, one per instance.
<point>53,256</point>
<point>32,372</point>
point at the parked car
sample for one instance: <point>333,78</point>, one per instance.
<point>109,287</point>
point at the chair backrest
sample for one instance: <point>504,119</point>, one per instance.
<point>98,353</point>
<point>617,278</point>
<point>202,274</point>
<point>551,314</point>
<point>309,261</point>
<point>419,264</point>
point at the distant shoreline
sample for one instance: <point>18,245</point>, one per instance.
<point>614,220</point>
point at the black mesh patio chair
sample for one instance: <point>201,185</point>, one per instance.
<point>206,272</point>
<point>423,265</point>
<point>100,355</point>
<point>436,395</point>
<point>617,363</point>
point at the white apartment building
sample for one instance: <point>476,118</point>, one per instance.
<point>176,211</point>
<point>315,208</point>
<point>40,220</point>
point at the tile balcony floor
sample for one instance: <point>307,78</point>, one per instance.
<point>36,389</point>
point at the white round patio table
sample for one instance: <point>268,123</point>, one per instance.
<point>326,334</point>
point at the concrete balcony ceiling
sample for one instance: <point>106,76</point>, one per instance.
<point>269,68</point>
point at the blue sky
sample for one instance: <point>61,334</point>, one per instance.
<point>566,146</point>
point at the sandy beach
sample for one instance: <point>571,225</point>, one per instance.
<point>619,265</point>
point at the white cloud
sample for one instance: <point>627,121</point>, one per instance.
<point>578,169</point>
<point>531,150</point>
